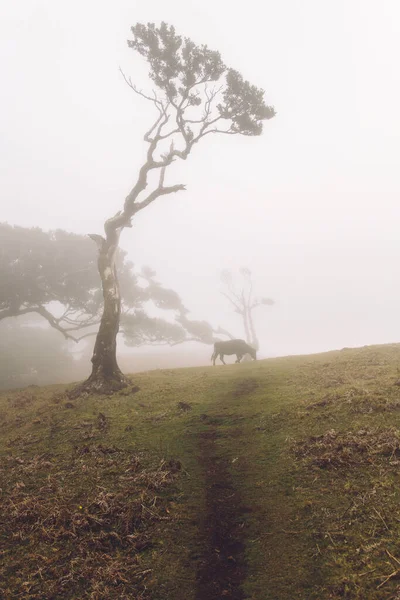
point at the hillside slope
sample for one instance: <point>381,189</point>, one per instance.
<point>271,480</point>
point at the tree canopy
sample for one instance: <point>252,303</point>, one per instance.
<point>54,274</point>
<point>183,71</point>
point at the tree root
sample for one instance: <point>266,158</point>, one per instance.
<point>100,385</point>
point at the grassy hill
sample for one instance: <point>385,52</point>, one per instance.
<point>272,480</point>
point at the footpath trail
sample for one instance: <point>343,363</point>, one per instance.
<point>222,566</point>
<point>247,547</point>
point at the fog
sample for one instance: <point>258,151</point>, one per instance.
<point>311,206</point>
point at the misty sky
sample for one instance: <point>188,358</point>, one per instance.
<point>312,206</point>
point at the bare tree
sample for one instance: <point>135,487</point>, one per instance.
<point>241,296</point>
<point>196,96</point>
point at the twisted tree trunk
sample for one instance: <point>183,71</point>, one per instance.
<point>106,376</point>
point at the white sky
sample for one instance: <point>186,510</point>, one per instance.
<point>312,206</point>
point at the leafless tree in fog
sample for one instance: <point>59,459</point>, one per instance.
<point>196,97</point>
<point>241,296</point>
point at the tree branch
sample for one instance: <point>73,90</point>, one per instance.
<point>158,103</point>
<point>192,339</point>
<point>160,191</point>
<point>82,337</point>
<point>255,304</point>
<point>223,331</point>
<point>154,135</point>
<point>237,306</point>
<point>53,321</point>
<point>83,325</point>
<point>250,295</point>
<point>65,314</point>
<point>41,310</point>
<point>98,239</point>
<point>160,122</point>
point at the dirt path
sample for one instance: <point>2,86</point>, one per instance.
<point>222,567</point>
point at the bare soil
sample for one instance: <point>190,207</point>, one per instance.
<point>222,567</point>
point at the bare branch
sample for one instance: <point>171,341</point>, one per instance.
<point>234,293</point>
<point>155,135</point>
<point>82,337</point>
<point>162,173</point>
<point>155,100</point>
<point>160,191</point>
<point>98,239</point>
<point>163,119</point>
<point>64,317</point>
<point>79,320</point>
<point>53,321</point>
<point>141,184</point>
<point>223,331</point>
<point>237,306</point>
<point>162,177</point>
<point>41,310</point>
<point>167,135</point>
<point>210,98</point>
<point>250,295</point>
<point>192,339</point>
<point>82,326</point>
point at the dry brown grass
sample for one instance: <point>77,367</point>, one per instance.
<point>77,528</point>
<point>343,450</point>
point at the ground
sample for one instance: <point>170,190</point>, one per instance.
<point>271,480</point>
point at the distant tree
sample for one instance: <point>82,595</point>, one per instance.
<point>241,297</point>
<point>54,274</point>
<point>197,96</point>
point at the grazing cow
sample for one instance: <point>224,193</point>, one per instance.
<point>238,347</point>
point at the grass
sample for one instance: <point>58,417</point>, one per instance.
<point>271,480</point>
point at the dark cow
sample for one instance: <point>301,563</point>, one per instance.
<point>238,347</point>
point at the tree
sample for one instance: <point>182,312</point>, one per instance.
<point>54,275</point>
<point>242,299</point>
<point>197,96</point>
<point>139,328</point>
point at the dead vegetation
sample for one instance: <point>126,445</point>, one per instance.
<point>360,400</point>
<point>351,509</point>
<point>77,527</point>
<point>22,399</point>
<point>343,450</point>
